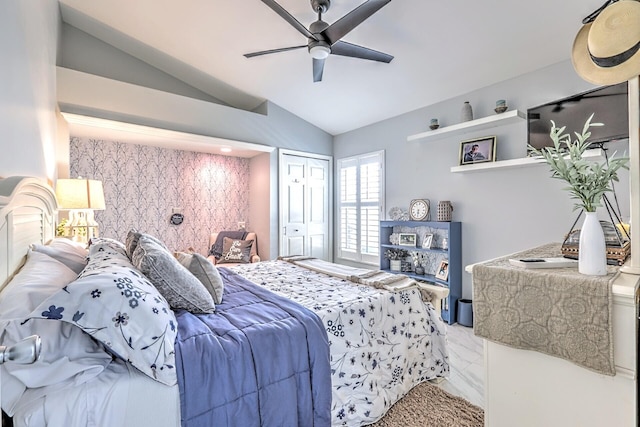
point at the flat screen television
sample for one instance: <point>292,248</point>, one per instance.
<point>608,104</point>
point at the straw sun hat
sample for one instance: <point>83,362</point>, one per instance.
<point>607,50</point>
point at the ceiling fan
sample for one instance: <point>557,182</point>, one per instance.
<point>325,39</point>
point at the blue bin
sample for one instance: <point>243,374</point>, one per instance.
<point>465,312</point>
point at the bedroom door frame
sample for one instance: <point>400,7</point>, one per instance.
<point>283,200</point>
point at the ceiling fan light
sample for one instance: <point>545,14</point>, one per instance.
<point>320,52</point>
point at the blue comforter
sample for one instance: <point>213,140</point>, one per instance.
<point>260,360</point>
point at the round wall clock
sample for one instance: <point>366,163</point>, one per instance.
<point>176,219</point>
<point>419,209</point>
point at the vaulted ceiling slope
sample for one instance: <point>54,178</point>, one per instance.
<point>441,49</point>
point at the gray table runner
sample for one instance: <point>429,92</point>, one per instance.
<point>559,311</point>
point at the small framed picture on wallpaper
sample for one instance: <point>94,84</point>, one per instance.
<point>407,239</point>
<point>478,150</point>
<point>443,270</point>
<point>427,241</point>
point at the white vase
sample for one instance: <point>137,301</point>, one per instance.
<point>395,265</point>
<point>592,256</point>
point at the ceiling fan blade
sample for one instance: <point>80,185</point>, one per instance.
<point>342,26</point>
<point>289,18</point>
<point>318,67</point>
<point>267,52</point>
<point>353,50</point>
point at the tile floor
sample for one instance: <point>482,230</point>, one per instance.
<point>466,356</point>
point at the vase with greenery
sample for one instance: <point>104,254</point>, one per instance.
<point>395,257</point>
<point>61,228</point>
<point>587,181</point>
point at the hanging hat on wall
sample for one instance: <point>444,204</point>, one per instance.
<point>607,50</point>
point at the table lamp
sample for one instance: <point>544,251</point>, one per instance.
<point>81,197</point>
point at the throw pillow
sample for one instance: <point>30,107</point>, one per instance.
<point>181,288</point>
<point>218,246</point>
<point>205,271</point>
<point>131,242</point>
<point>117,305</point>
<point>236,251</point>
<point>106,250</point>
<point>116,244</point>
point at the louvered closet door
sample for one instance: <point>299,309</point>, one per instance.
<point>305,206</point>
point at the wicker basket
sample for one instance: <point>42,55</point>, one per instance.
<point>618,254</point>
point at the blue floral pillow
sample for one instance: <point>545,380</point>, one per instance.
<point>117,305</point>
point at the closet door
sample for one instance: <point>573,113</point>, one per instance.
<point>305,189</point>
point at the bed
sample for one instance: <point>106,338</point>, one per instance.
<point>352,348</point>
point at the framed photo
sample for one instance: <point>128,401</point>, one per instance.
<point>427,241</point>
<point>443,270</point>
<point>407,239</point>
<point>478,150</point>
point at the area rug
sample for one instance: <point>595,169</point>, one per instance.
<point>428,405</point>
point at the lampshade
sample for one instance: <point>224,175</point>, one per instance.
<point>80,194</point>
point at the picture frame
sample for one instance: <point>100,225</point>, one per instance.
<point>442,272</point>
<point>479,150</point>
<point>407,239</point>
<point>427,241</point>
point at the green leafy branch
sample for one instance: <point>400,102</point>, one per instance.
<point>588,180</point>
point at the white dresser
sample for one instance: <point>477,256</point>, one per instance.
<point>527,388</point>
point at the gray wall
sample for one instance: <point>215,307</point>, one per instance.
<point>262,209</point>
<point>102,59</point>
<point>502,210</point>
<point>28,42</point>
<point>131,91</point>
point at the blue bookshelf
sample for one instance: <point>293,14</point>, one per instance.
<point>453,253</point>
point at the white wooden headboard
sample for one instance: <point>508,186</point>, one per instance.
<point>27,215</point>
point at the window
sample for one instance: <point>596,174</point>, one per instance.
<point>360,205</point>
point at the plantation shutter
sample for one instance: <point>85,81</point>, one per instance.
<point>360,207</point>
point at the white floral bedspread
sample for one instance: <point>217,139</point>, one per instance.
<point>382,343</point>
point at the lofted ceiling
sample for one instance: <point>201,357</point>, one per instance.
<point>441,49</point>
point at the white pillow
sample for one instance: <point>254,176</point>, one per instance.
<point>69,246</point>
<point>68,354</point>
<point>68,252</point>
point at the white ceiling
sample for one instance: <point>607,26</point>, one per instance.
<point>442,49</point>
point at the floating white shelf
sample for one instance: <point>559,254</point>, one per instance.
<point>506,118</point>
<point>514,163</point>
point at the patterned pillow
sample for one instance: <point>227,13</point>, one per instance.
<point>131,242</point>
<point>205,271</point>
<point>115,244</point>
<point>115,303</point>
<point>236,251</point>
<point>181,288</point>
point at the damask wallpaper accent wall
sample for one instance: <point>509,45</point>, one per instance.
<point>142,185</point>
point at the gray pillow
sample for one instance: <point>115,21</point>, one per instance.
<point>131,242</point>
<point>205,271</point>
<point>236,251</point>
<point>179,287</point>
